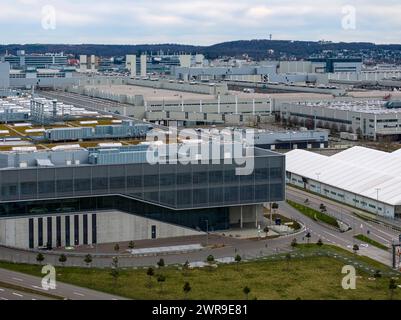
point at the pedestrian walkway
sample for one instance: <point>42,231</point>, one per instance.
<point>166,250</point>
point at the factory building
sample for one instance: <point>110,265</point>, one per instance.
<point>289,140</point>
<point>336,65</point>
<point>371,119</point>
<point>75,197</point>
<point>363,178</point>
<point>42,61</point>
<point>88,63</point>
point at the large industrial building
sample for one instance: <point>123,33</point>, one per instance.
<point>43,61</point>
<point>364,178</point>
<point>56,198</point>
<point>288,140</point>
<point>371,119</point>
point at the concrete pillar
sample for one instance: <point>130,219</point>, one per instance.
<point>236,104</point>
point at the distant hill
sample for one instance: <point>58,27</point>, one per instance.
<point>257,49</point>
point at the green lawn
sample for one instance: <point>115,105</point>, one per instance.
<point>314,214</point>
<point>315,277</point>
<point>371,241</point>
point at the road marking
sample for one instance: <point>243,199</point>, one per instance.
<point>1,290</point>
<point>79,294</point>
<point>2,298</point>
<point>17,294</point>
<point>36,287</point>
<point>18,279</point>
<point>34,299</point>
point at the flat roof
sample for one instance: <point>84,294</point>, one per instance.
<point>152,94</point>
<point>358,170</point>
<point>362,106</point>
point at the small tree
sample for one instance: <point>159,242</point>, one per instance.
<point>238,260</point>
<point>246,291</point>
<point>355,248</point>
<point>392,286</point>
<point>185,268</point>
<point>40,258</point>
<point>88,260</point>
<point>294,243</point>
<point>161,279</point>
<point>288,259</point>
<point>320,243</point>
<point>187,288</point>
<point>161,263</point>
<point>115,273</point>
<point>131,245</point>
<point>150,273</point>
<point>308,236</point>
<point>377,275</point>
<point>210,259</point>
<point>62,259</point>
<point>266,230</point>
<point>117,247</point>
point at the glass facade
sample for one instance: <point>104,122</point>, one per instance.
<point>187,195</point>
<point>173,186</point>
<point>218,218</point>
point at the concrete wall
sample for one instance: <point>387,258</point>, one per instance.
<point>118,227</point>
<point>349,198</point>
<point>112,226</point>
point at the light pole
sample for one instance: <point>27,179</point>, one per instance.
<point>207,233</point>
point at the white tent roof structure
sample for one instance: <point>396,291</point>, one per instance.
<point>357,170</point>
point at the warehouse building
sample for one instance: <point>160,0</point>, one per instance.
<point>23,60</point>
<point>371,119</point>
<point>60,197</point>
<point>364,178</point>
<point>288,140</point>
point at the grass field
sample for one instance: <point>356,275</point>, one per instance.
<point>315,278</point>
<point>314,214</point>
<point>370,241</point>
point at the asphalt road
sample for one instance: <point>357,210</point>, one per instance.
<point>62,290</point>
<point>10,294</point>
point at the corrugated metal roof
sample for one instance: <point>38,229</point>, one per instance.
<point>358,170</point>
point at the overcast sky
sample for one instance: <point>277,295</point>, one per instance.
<point>202,22</point>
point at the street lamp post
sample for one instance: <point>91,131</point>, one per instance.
<point>207,233</point>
